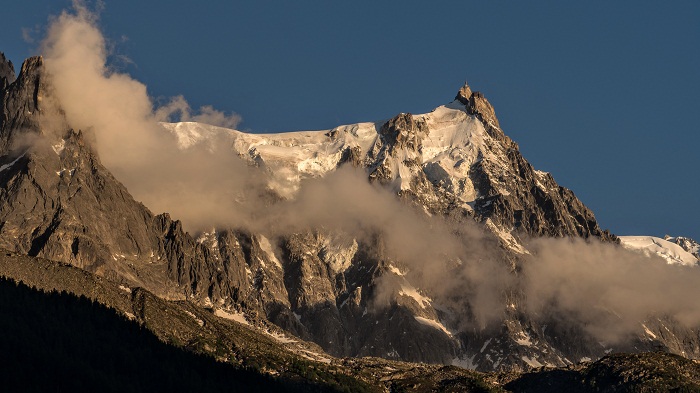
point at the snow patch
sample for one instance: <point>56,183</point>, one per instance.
<point>649,332</point>
<point>486,344</point>
<point>407,290</point>
<point>396,271</point>
<point>232,316</point>
<point>522,338</point>
<point>199,321</point>
<point>281,338</point>
<point>338,252</point>
<point>316,356</point>
<point>2,168</point>
<point>531,361</point>
<point>507,238</point>
<point>266,247</point>
<point>540,176</point>
<point>58,148</point>
<point>433,324</point>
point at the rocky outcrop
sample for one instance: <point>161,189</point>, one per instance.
<point>7,72</point>
<point>20,103</point>
<point>403,132</point>
<point>464,94</point>
<point>394,159</point>
<point>686,243</point>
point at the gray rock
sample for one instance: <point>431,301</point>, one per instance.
<point>7,72</point>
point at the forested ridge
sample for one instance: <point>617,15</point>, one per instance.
<point>58,342</point>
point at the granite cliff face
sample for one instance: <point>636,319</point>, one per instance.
<point>7,72</point>
<point>59,202</point>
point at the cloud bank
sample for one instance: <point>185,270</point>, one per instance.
<point>195,184</point>
<point>607,289</point>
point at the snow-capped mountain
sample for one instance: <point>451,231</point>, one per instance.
<point>454,164</point>
<point>667,248</point>
<point>686,243</point>
<point>455,158</point>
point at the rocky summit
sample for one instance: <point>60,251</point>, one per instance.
<point>348,295</point>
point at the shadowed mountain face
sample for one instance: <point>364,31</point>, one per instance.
<point>57,201</point>
<point>644,372</point>
<point>7,71</point>
<point>88,347</point>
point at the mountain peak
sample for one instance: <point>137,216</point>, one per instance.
<point>32,64</point>
<point>480,107</point>
<point>464,94</point>
<point>477,105</point>
<point>7,71</point>
<point>686,243</point>
<point>20,99</point>
<point>404,130</point>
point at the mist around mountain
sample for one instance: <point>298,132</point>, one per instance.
<point>424,238</point>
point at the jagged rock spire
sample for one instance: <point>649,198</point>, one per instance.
<point>7,72</point>
<point>20,100</point>
<point>464,94</point>
<point>477,105</point>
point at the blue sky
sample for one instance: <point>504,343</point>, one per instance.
<point>604,95</point>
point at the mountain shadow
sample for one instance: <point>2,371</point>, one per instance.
<point>59,342</point>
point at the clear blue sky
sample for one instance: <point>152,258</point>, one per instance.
<point>604,95</point>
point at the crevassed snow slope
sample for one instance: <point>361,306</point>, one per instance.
<point>650,245</point>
